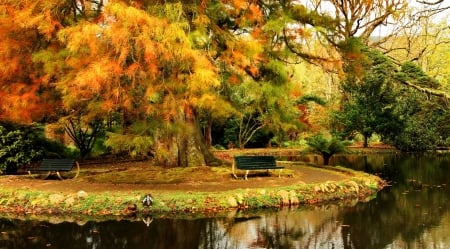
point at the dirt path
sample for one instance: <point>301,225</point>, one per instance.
<point>203,180</point>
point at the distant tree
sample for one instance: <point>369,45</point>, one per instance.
<point>84,135</point>
<point>263,105</point>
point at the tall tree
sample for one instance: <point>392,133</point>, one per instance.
<point>372,99</point>
<point>139,65</point>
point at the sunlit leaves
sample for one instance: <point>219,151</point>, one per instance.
<point>28,28</point>
<point>139,64</point>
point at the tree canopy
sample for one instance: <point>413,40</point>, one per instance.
<point>154,78</point>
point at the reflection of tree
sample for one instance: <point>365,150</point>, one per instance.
<point>169,233</point>
<point>406,212</point>
<point>309,228</point>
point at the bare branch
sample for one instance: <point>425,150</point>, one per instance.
<point>430,3</point>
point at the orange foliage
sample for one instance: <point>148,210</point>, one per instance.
<point>26,28</point>
<point>254,71</point>
<point>234,79</point>
<point>254,13</point>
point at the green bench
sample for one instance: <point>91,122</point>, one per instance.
<point>56,166</point>
<point>248,163</point>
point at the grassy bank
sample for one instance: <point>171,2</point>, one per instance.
<point>125,198</point>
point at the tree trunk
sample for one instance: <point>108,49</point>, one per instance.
<point>366,142</point>
<point>183,151</point>
<point>207,134</point>
<point>326,158</point>
<point>208,156</point>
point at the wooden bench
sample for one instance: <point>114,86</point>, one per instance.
<point>248,163</point>
<point>56,166</point>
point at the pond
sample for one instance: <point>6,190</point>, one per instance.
<point>412,213</point>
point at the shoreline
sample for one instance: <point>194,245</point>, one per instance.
<point>32,203</point>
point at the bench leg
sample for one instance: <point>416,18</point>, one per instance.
<point>233,171</point>
<point>246,173</point>
<point>39,175</point>
<point>76,174</point>
<point>59,175</point>
<point>78,170</point>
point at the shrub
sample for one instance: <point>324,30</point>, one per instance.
<point>326,147</point>
<point>16,148</point>
<point>22,145</point>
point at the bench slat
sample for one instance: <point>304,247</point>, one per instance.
<point>255,163</point>
<point>65,164</point>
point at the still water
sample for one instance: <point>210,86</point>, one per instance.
<point>413,213</point>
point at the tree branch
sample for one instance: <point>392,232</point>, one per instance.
<point>433,92</point>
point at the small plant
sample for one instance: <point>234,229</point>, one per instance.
<point>326,147</point>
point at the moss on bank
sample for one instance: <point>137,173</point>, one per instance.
<point>123,203</point>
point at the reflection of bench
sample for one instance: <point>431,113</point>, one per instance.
<point>248,163</point>
<point>56,166</point>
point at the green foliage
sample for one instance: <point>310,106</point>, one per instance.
<point>263,108</point>
<point>259,139</point>
<point>426,124</point>
<point>418,135</point>
<point>371,106</point>
<point>275,71</point>
<point>414,74</point>
<point>326,147</point>
<point>22,145</point>
<point>133,145</point>
<point>311,98</point>
<point>301,14</point>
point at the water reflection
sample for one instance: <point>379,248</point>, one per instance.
<point>413,213</point>
<point>306,228</point>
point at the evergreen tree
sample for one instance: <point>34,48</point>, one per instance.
<point>371,100</point>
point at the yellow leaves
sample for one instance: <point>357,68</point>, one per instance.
<point>93,77</point>
<point>80,37</point>
<point>130,60</point>
<point>204,76</point>
<point>202,20</point>
<point>243,54</point>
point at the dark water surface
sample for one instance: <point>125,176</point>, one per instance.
<point>413,213</point>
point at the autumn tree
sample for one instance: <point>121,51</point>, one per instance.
<point>141,66</point>
<point>263,106</point>
<point>33,57</point>
<point>27,28</point>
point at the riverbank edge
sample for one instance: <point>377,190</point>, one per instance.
<point>34,204</point>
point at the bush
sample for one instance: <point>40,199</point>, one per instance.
<point>22,145</point>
